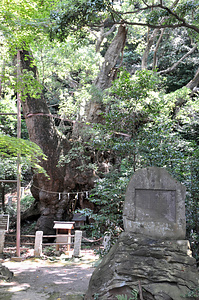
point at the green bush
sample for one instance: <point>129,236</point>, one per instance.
<point>26,202</point>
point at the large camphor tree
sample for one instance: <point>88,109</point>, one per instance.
<point>58,20</point>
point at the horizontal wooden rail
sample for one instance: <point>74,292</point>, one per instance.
<point>10,243</point>
<point>44,236</point>
<point>64,235</point>
<point>22,235</point>
<point>48,244</point>
<point>38,243</point>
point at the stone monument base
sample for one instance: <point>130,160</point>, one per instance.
<point>152,269</point>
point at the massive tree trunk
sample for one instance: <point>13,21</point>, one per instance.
<point>54,194</point>
<point>51,194</point>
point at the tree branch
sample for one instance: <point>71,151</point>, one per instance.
<point>172,13</point>
<point>195,28</point>
<point>151,40</point>
<point>170,69</point>
<point>182,21</point>
<point>102,36</point>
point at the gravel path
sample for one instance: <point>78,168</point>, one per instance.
<point>35,279</point>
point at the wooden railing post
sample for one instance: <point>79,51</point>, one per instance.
<point>77,243</point>
<point>38,243</point>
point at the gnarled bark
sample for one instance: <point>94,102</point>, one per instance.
<point>106,75</point>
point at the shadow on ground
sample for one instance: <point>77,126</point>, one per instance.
<point>36,279</point>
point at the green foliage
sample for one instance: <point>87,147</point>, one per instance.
<point>8,168</point>
<point>21,21</point>
<point>12,209</point>
<point>108,195</point>
<point>8,124</point>
<point>96,94</point>
<point>145,128</point>
<point>29,85</point>
<point>66,72</point>
<point>11,147</point>
<point>174,45</point>
<point>122,297</point>
<point>49,251</point>
<point>72,17</point>
<point>96,296</point>
<point>125,297</point>
<point>136,87</point>
<point>79,155</point>
<point>26,202</point>
<point>193,293</point>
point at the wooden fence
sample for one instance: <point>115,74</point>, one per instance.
<point>38,241</point>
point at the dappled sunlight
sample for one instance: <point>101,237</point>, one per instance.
<point>47,277</point>
<point>18,288</point>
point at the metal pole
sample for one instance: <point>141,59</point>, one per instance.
<point>18,160</point>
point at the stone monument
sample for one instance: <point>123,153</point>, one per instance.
<point>155,205</point>
<point>151,258</point>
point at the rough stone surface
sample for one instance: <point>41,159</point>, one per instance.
<point>5,273</point>
<point>2,239</point>
<point>155,205</point>
<point>151,258</point>
<point>162,269</point>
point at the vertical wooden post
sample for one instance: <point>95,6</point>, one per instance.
<point>38,243</point>
<point>77,243</point>
<point>69,240</point>
<point>18,159</point>
<point>57,245</point>
<point>3,196</point>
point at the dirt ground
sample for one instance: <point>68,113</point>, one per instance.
<point>60,278</point>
